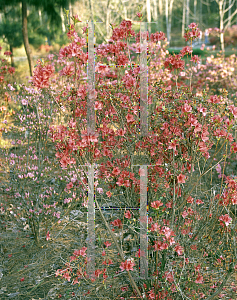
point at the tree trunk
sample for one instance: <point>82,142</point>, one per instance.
<point>154,13</point>
<point>167,19</point>
<point>200,20</point>
<point>25,36</point>
<point>168,15</point>
<point>221,13</point>
<point>229,13</point>
<point>12,60</point>
<point>148,7</point>
<point>63,21</point>
<point>195,11</point>
<point>107,21</point>
<point>187,12</point>
<point>183,19</point>
<point>160,7</point>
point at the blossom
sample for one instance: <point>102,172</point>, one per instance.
<point>156,204</point>
<point>129,118</point>
<point>80,252</point>
<point>47,236</point>
<point>181,178</point>
<point>24,102</point>
<point>179,249</point>
<point>127,214</point>
<point>116,171</point>
<point>139,15</point>
<point>22,279</point>
<point>109,194</point>
<point>42,74</point>
<point>8,53</point>
<point>226,219</point>
<point>195,59</point>
<point>127,265</point>
<point>174,62</point>
<point>186,50</point>
<point>117,223</point>
<point>199,279</point>
<point>192,32</point>
<point>199,201</point>
<point>107,244</point>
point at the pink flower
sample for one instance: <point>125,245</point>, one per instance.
<point>24,102</point>
<point>156,204</point>
<point>7,53</point>
<point>109,194</point>
<point>226,219</point>
<point>47,236</point>
<point>181,178</point>
<point>107,244</point>
<point>69,185</point>
<point>195,59</point>
<point>139,15</point>
<point>199,279</point>
<point>22,279</point>
<point>128,215</point>
<point>67,276</point>
<point>117,223</point>
<point>129,118</point>
<point>168,232</point>
<point>199,201</point>
<point>81,252</point>
<point>116,171</point>
<point>186,50</point>
<point>127,265</point>
<point>179,249</point>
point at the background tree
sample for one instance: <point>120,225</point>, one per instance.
<point>224,8</point>
<point>10,29</point>
<point>51,7</point>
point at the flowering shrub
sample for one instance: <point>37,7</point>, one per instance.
<point>187,133</point>
<point>191,224</point>
<point>6,77</point>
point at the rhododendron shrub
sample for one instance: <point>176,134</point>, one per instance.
<point>6,78</point>
<point>38,197</point>
<point>191,229</point>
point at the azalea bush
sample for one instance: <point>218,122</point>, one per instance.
<point>6,77</point>
<point>191,227</point>
<point>191,138</point>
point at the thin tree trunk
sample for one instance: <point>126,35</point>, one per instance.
<point>63,22</point>
<point>168,15</point>
<point>195,11</point>
<point>148,7</point>
<point>12,60</point>
<point>221,13</point>
<point>25,36</point>
<point>200,21</point>
<point>40,17</point>
<point>160,11</point>
<point>183,19</point>
<point>107,21</point>
<point>155,17</point>
<point>187,12</point>
<point>229,13</point>
<point>160,7</point>
<point>167,19</point>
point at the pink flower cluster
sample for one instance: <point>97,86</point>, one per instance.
<point>174,62</point>
<point>123,32</point>
<point>192,32</point>
<point>42,74</point>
